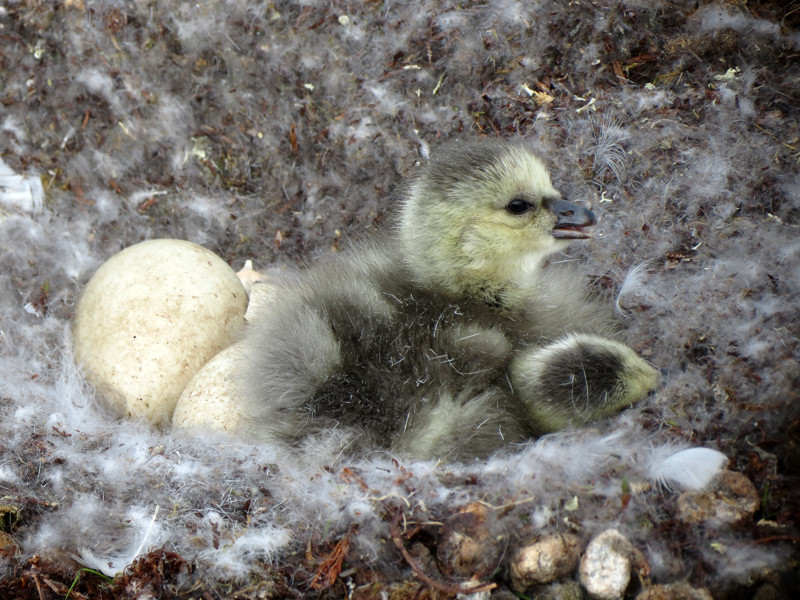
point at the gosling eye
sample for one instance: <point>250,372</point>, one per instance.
<point>518,206</point>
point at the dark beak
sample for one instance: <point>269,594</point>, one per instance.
<point>571,220</point>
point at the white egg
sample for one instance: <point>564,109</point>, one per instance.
<point>261,288</point>
<point>212,399</point>
<point>150,318</point>
<point>261,296</point>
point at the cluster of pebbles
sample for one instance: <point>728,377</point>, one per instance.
<point>609,565</point>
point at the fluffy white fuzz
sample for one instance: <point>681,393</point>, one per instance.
<point>691,469</point>
<point>114,564</point>
<point>20,192</point>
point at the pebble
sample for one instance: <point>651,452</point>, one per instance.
<point>674,591</point>
<point>732,498</point>
<point>547,559</point>
<point>605,569</point>
<point>466,546</point>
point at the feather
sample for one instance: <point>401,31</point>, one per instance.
<point>691,469</point>
<point>114,564</point>
<point>20,192</point>
<point>632,284</point>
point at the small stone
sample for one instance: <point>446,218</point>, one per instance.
<point>606,565</point>
<point>466,547</point>
<point>568,590</point>
<point>674,591</point>
<point>732,498</point>
<point>547,559</point>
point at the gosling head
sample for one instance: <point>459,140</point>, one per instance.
<point>482,217</point>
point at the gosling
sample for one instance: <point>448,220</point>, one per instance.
<point>447,336</point>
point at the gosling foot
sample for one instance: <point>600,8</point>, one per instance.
<point>578,379</point>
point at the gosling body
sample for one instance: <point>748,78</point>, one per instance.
<point>445,336</point>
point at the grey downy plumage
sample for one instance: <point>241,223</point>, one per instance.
<point>445,336</point>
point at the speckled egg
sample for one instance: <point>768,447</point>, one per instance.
<point>150,318</point>
<point>212,400</point>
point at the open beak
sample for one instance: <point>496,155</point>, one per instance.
<point>571,220</point>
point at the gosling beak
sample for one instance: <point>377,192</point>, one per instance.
<point>571,220</point>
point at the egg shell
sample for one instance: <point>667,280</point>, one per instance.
<point>212,399</point>
<point>150,318</point>
<point>261,296</point>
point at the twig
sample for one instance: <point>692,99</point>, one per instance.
<point>391,495</point>
<point>38,587</point>
<point>777,538</point>
<point>511,504</point>
<point>774,137</point>
<point>437,585</point>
